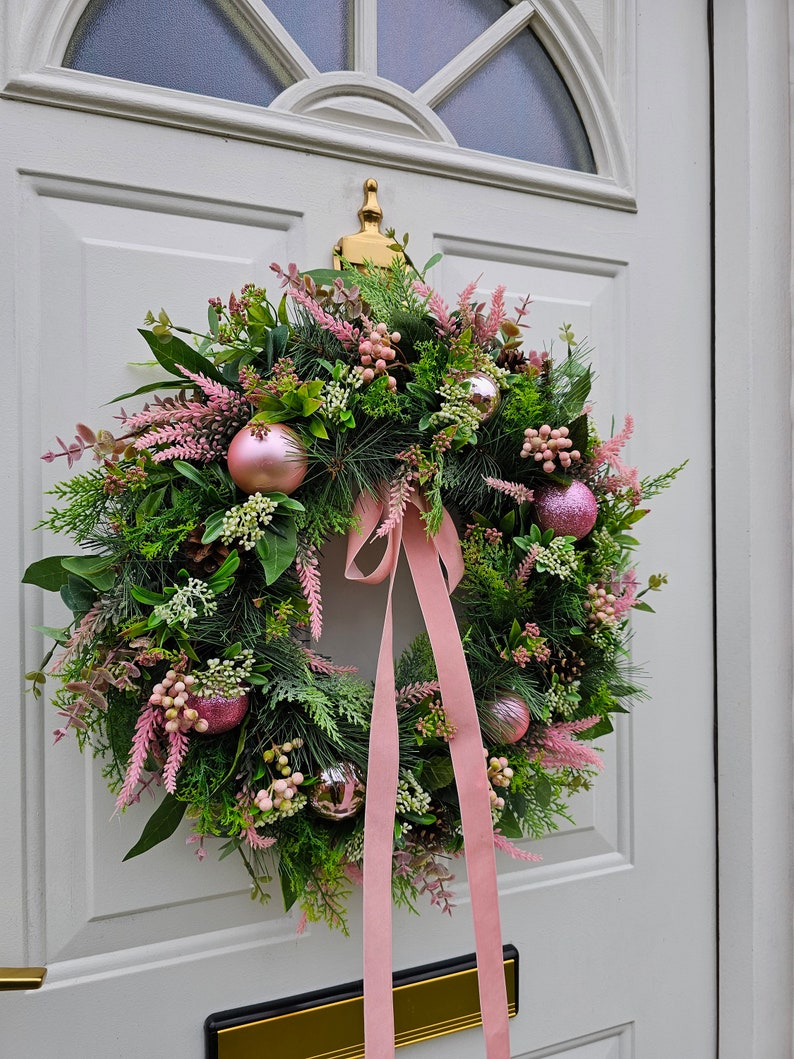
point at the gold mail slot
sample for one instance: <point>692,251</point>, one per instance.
<point>429,1001</point>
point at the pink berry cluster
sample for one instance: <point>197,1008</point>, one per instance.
<point>376,352</point>
<point>280,793</point>
<point>548,444</point>
<point>436,724</point>
<point>600,606</point>
<point>499,775</point>
<point>172,695</point>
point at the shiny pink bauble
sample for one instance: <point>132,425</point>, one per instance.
<point>508,717</point>
<point>267,458</point>
<point>483,393</point>
<point>570,510</point>
<point>220,713</point>
<point>338,793</point>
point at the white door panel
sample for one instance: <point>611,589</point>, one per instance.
<point>615,928</point>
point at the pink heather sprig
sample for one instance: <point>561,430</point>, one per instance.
<point>527,564</point>
<point>412,694</point>
<point>193,430</point>
<point>318,664</point>
<point>624,588</point>
<point>177,748</point>
<point>145,736</point>
<point>514,490</point>
<point>253,839</point>
<point>399,494</point>
<point>557,746</point>
<point>609,451</point>
<point>464,303</point>
<point>446,325</point>
<point>308,568</point>
<point>508,847</point>
<point>487,328</point>
<point>340,329</point>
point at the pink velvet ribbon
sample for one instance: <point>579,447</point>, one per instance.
<point>425,558</point>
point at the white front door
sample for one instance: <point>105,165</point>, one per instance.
<point>108,217</point>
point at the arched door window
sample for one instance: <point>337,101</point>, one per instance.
<point>466,72</point>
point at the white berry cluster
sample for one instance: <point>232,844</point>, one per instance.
<point>558,558</point>
<point>224,677</point>
<point>246,522</point>
<point>337,393</point>
<point>456,406</point>
<point>562,698</point>
<point>411,798</point>
<point>190,600</point>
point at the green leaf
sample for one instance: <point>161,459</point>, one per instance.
<point>143,595</point>
<point>281,550</point>
<point>317,428</point>
<point>150,504</point>
<point>92,568</point>
<point>642,605</point>
<point>176,352</point>
<point>604,727</point>
<point>161,825</point>
<point>434,260</point>
<point>425,819</point>
<point>187,470</point>
<point>59,635</point>
<point>438,772</point>
<point>327,276</point>
<point>213,320</point>
<point>150,387</point>
<point>48,574</point>
<point>508,824</point>
<point>288,892</point>
<point>78,595</point>
<point>543,791</point>
<point>213,526</point>
<point>225,570</point>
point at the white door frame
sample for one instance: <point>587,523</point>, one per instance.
<point>753,342</point>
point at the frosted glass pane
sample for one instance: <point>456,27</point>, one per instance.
<point>517,105</point>
<point>417,38</point>
<point>192,45</point>
<point>322,30</point>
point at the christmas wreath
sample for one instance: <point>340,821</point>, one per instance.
<point>354,403</point>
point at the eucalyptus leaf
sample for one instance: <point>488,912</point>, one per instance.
<point>48,573</point>
<point>92,568</point>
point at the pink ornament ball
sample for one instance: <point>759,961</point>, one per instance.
<point>220,713</point>
<point>508,717</point>
<point>267,458</point>
<point>483,394</point>
<point>338,793</point>
<point>570,510</point>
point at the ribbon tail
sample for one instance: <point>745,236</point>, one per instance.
<point>471,777</point>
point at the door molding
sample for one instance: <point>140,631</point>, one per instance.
<point>753,514</point>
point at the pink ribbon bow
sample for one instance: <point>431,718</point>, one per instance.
<point>425,558</point>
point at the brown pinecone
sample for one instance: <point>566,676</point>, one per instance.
<point>512,359</point>
<point>203,559</point>
<point>567,667</point>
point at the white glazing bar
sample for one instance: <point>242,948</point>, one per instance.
<point>365,36</point>
<point>475,54</point>
<point>286,50</point>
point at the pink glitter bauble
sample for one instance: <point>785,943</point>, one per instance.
<point>508,717</point>
<point>483,393</point>
<point>220,713</point>
<point>267,458</point>
<point>338,793</point>
<point>570,510</point>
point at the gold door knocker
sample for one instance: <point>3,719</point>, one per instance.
<point>369,244</point>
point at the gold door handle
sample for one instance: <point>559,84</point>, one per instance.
<point>21,977</point>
